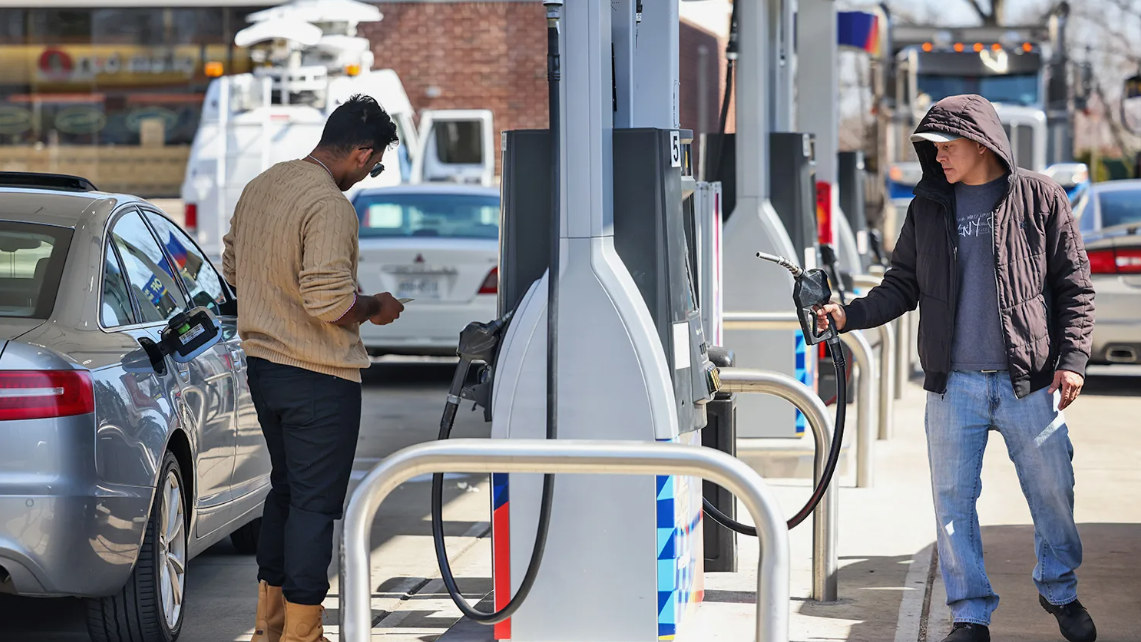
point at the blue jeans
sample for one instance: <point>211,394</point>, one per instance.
<point>1038,442</point>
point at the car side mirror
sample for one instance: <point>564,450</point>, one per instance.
<point>189,334</point>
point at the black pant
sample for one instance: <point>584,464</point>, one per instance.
<point>310,422</point>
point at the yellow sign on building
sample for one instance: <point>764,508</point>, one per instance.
<point>71,67</point>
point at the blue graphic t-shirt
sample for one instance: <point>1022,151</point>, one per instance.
<point>978,343</point>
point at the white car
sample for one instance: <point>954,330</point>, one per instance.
<point>437,244</point>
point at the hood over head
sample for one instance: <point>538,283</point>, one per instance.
<point>966,116</point>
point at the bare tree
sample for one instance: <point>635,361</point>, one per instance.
<point>1107,37</point>
<point>992,13</point>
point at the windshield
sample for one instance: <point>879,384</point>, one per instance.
<point>454,215</point>
<point>1119,206</point>
<point>1016,89</point>
<point>31,262</point>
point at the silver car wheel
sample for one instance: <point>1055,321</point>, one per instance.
<point>172,549</point>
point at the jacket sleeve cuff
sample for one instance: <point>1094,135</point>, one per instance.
<point>856,319</point>
<point>1074,362</point>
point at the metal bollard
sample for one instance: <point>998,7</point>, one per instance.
<point>865,395</point>
<point>824,518</point>
<point>720,434</point>
<point>887,380</point>
<point>902,345</point>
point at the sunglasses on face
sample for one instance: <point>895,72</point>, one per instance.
<point>376,169</point>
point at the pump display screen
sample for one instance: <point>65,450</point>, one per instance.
<point>1015,89</point>
<point>442,214</point>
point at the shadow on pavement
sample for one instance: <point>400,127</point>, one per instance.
<point>1107,587</point>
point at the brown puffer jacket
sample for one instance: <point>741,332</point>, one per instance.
<point>1044,291</point>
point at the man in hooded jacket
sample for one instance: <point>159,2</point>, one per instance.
<point>992,257</point>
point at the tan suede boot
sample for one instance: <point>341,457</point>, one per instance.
<point>271,614</point>
<point>303,623</point>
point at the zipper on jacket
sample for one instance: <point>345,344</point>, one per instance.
<point>997,289</point>
<point>953,295</point>
<point>994,251</point>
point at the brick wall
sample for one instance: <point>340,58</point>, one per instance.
<point>702,75</point>
<point>468,55</point>
<point>492,55</point>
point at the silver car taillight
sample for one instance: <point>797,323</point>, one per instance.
<point>42,394</point>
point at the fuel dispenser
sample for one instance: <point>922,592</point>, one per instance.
<point>792,188</point>
<point>850,182</point>
<point>653,233</point>
<point>784,225</point>
<point>654,236</point>
<point>612,257</point>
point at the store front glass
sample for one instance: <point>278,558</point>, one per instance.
<point>112,94</point>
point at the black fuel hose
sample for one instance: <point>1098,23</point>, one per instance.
<point>829,465</point>
<point>830,258</point>
<point>714,173</point>
<point>554,77</point>
<point>446,423</point>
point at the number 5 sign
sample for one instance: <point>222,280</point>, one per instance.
<point>675,149</point>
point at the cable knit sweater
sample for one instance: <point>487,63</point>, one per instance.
<point>291,253</point>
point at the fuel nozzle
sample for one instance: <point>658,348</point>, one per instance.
<point>810,293</point>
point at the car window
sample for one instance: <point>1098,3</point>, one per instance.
<point>1119,207</point>
<point>116,305</point>
<point>201,279</point>
<point>149,274</point>
<point>444,215</point>
<point>31,262</point>
<point>1082,210</point>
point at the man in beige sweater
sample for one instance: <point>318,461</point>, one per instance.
<point>291,254</point>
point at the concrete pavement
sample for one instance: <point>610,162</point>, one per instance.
<point>890,588</point>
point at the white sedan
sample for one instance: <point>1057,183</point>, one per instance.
<point>437,244</point>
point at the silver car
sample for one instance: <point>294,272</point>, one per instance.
<point>1109,217</point>
<point>118,463</point>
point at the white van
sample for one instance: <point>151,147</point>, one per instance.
<point>252,121</point>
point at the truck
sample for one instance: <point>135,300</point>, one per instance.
<point>309,60</point>
<point>1023,70</point>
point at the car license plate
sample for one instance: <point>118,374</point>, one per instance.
<point>423,287</point>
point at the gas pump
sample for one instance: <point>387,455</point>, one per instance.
<point>600,337</point>
<point>743,163</point>
<point>650,186</point>
<point>850,182</point>
<point>621,555</point>
<point>792,186</point>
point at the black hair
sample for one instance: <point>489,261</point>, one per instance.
<point>359,122</point>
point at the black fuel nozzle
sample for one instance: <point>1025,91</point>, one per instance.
<point>478,344</point>
<point>479,341</point>
<point>810,292</point>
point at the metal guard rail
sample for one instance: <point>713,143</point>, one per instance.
<point>865,393</point>
<point>902,336</point>
<point>564,456</point>
<point>825,516</point>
